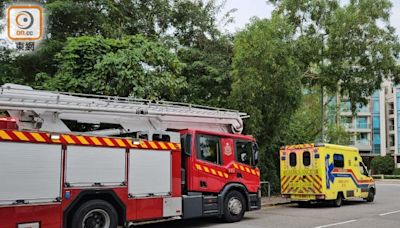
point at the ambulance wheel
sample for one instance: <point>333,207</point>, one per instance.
<point>303,204</point>
<point>338,201</point>
<point>94,214</point>
<point>371,196</point>
<point>234,207</point>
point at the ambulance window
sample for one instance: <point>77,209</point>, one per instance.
<point>208,149</point>
<point>306,158</point>
<point>292,159</point>
<point>363,170</point>
<point>338,160</point>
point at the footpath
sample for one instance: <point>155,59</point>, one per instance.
<point>273,201</point>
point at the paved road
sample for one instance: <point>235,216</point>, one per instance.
<point>383,213</point>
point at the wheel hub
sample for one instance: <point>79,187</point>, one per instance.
<point>96,218</point>
<point>235,206</point>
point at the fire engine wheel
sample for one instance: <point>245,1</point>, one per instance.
<point>234,206</point>
<point>338,202</point>
<point>95,214</point>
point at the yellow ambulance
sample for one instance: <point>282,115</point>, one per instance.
<point>324,172</point>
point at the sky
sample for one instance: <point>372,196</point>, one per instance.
<point>246,9</point>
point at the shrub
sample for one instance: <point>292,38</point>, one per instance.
<point>396,171</point>
<point>383,165</point>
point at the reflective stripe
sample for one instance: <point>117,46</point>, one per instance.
<point>21,136</point>
<point>38,137</point>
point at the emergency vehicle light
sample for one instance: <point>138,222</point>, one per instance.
<point>136,141</point>
<point>55,137</point>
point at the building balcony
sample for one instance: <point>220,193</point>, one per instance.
<point>358,113</point>
<point>391,129</point>
<point>357,127</point>
<point>363,145</point>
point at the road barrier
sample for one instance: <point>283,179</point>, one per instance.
<point>268,187</point>
<point>386,176</point>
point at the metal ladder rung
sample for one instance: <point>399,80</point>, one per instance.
<point>109,102</point>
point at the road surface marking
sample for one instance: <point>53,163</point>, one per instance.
<point>335,224</point>
<point>389,213</point>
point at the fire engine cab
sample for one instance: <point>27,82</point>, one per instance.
<point>82,161</point>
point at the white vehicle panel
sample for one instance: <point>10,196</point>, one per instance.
<point>29,172</point>
<point>87,166</point>
<point>172,207</point>
<point>149,173</point>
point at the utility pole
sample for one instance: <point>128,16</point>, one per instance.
<point>322,91</point>
<point>322,114</point>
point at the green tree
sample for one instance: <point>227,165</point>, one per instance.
<point>347,47</point>
<point>266,83</point>
<point>383,165</point>
<point>336,134</point>
<point>187,27</point>
<point>207,72</point>
<point>130,66</point>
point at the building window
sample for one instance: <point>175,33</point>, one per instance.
<point>347,122</point>
<point>209,149</point>
<point>398,100</point>
<point>391,140</point>
<point>376,124</point>
<point>375,107</point>
<point>377,138</point>
<point>292,159</point>
<point>362,122</point>
<point>338,160</point>
<point>345,106</point>
<point>362,108</point>
<point>244,152</point>
<point>306,158</point>
<point>363,139</point>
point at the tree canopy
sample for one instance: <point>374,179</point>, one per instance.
<point>345,47</point>
<point>132,66</point>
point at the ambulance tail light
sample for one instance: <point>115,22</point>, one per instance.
<point>320,197</point>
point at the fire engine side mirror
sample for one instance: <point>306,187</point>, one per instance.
<point>255,154</point>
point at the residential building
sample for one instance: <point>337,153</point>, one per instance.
<point>375,127</point>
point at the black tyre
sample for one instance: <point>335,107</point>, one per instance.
<point>338,202</point>
<point>303,204</point>
<point>234,207</point>
<point>95,214</point>
<point>371,196</point>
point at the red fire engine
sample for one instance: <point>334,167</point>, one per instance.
<point>83,161</point>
